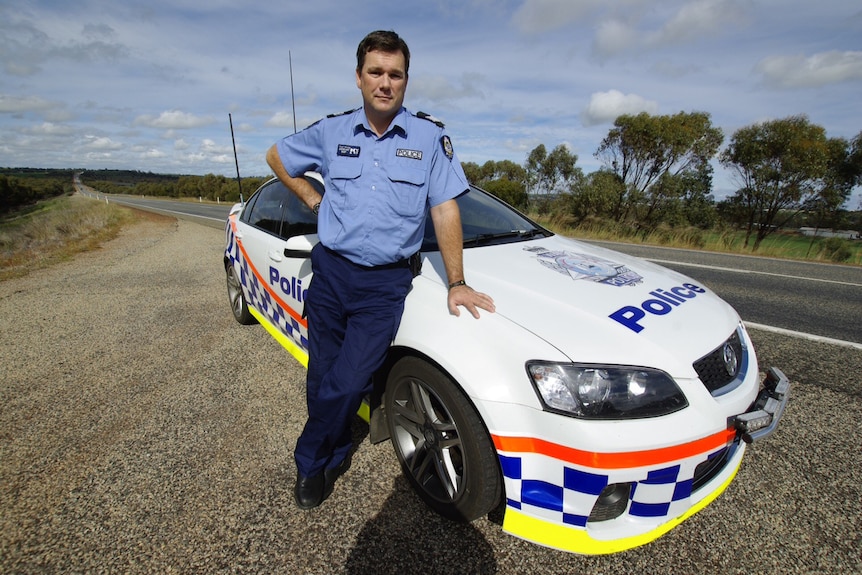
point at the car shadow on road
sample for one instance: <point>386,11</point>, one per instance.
<point>406,537</point>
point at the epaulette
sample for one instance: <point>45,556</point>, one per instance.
<point>430,118</point>
<point>342,113</point>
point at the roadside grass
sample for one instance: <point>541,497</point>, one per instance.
<point>55,230</point>
<point>778,245</point>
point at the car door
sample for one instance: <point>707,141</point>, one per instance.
<point>280,279</point>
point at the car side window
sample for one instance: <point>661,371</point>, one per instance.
<point>298,218</point>
<point>265,210</point>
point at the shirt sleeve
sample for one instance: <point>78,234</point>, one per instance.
<point>447,178</point>
<point>302,152</point>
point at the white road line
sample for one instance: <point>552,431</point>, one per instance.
<point>718,268</point>
<point>183,213</point>
<point>144,206</point>
<point>803,335</point>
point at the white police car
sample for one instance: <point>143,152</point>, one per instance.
<point>606,401</point>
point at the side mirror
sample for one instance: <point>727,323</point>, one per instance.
<point>300,246</point>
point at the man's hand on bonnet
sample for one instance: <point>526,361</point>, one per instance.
<point>464,295</point>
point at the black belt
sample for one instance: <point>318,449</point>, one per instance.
<point>403,263</point>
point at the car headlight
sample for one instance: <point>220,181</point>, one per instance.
<point>605,391</point>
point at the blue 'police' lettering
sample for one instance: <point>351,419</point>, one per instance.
<point>291,287</point>
<point>663,302</point>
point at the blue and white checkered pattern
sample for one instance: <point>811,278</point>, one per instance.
<point>261,299</point>
<point>655,495</point>
<point>561,492</point>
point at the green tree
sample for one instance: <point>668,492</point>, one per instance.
<point>854,161</point>
<point>491,170</point>
<point>551,174</point>
<point>17,192</point>
<point>781,166</point>
<point>698,203</point>
<point>682,199</point>
<point>595,196</point>
<point>513,193</point>
<point>473,172</point>
<point>650,154</point>
<point>505,179</point>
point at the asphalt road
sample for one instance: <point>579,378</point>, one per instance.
<point>205,213</point>
<point>142,430</point>
<point>814,298</point>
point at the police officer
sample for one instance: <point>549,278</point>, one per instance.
<point>384,168</point>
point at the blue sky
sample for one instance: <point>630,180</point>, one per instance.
<point>149,86</point>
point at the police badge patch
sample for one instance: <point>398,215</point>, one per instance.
<point>586,267</point>
<point>447,147</point>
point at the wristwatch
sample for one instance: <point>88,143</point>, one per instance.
<point>457,283</point>
<point>316,208</point>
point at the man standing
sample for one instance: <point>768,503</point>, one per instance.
<point>384,168</point>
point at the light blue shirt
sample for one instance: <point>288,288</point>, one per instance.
<point>378,190</point>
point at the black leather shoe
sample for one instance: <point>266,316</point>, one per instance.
<point>309,491</point>
<point>334,473</point>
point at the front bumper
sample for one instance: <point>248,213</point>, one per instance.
<point>762,418</point>
<point>555,490</point>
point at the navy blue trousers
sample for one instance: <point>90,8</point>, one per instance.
<point>353,313</point>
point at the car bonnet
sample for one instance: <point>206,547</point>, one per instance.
<point>600,306</point>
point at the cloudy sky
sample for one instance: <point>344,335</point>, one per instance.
<point>149,85</point>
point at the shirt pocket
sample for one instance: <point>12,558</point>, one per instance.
<point>344,177</point>
<point>410,190</point>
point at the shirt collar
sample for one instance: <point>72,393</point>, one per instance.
<point>399,122</point>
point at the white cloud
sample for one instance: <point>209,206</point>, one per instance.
<point>19,104</point>
<point>51,129</point>
<point>698,19</point>
<point>440,88</point>
<point>605,107</point>
<point>153,154</point>
<point>174,120</point>
<point>281,119</point>
<point>806,72</point>
<point>101,144</point>
<point>209,146</point>
<point>152,84</point>
<point>630,30</point>
<point>613,38</point>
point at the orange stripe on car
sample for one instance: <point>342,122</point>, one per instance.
<point>622,460</point>
<point>302,321</point>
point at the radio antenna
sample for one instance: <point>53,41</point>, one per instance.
<point>292,100</point>
<point>236,161</point>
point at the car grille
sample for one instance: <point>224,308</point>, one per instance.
<point>712,369</point>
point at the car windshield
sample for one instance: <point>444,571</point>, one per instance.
<point>486,221</point>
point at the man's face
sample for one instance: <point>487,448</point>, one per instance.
<point>382,81</point>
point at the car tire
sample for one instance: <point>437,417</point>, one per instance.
<point>235,295</point>
<point>440,441</point>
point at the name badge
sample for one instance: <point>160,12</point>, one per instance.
<point>412,154</point>
<point>349,151</point>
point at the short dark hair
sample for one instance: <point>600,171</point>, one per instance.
<point>384,41</point>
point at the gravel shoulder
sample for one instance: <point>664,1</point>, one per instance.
<point>143,430</point>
